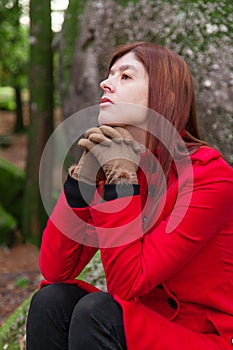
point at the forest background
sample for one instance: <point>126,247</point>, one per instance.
<point>51,69</point>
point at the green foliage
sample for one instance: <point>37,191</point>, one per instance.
<point>7,226</point>
<point>200,23</point>
<point>11,188</point>
<point>7,98</point>
<point>94,273</point>
<point>21,282</point>
<point>14,45</point>
<point>12,333</point>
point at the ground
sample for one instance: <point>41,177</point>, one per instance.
<point>19,270</point>
<point>20,277</point>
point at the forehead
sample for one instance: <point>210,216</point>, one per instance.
<point>128,61</point>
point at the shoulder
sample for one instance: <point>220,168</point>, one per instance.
<point>209,157</point>
<point>204,155</point>
<point>209,165</point>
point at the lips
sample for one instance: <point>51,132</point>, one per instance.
<point>105,100</point>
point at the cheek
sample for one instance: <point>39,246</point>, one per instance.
<point>138,116</point>
<point>141,96</point>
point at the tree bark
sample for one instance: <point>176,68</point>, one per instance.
<point>70,33</point>
<point>19,125</point>
<point>41,116</point>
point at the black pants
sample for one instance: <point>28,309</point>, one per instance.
<point>63,316</point>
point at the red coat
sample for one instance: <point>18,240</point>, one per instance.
<point>175,289</point>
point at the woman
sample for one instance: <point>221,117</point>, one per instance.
<point>165,290</point>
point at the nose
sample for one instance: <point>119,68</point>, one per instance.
<point>106,85</point>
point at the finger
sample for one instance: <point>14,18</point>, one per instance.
<point>125,134</point>
<point>94,130</point>
<point>138,147</point>
<point>128,139</point>
<point>97,138</point>
<point>86,144</point>
<point>110,132</point>
<point>83,155</point>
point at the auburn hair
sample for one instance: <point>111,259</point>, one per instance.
<point>171,94</point>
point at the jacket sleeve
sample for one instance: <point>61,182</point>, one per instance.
<point>144,261</point>
<point>63,254</point>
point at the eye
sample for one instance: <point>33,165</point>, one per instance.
<point>125,76</point>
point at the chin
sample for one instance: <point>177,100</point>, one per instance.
<point>107,120</point>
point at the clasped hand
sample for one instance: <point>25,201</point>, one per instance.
<point>110,153</point>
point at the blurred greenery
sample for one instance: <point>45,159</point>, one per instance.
<point>14,53</point>
<point>7,226</point>
<point>7,98</point>
<point>12,333</point>
<point>11,195</point>
<point>21,282</point>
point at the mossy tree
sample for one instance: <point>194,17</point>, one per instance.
<point>41,115</point>
<point>70,31</point>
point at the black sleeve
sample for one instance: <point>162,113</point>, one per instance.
<point>78,194</point>
<point>113,191</point>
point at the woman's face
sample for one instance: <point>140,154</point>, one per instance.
<point>125,90</point>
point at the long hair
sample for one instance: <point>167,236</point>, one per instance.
<point>171,94</point>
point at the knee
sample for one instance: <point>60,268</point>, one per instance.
<point>49,297</point>
<point>95,305</point>
<point>45,296</point>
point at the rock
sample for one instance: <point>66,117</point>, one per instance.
<point>8,225</point>
<point>11,189</point>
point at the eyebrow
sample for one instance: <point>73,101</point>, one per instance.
<point>124,67</point>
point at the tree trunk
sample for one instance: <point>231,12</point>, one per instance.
<point>41,116</point>
<point>19,125</point>
<point>70,32</point>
